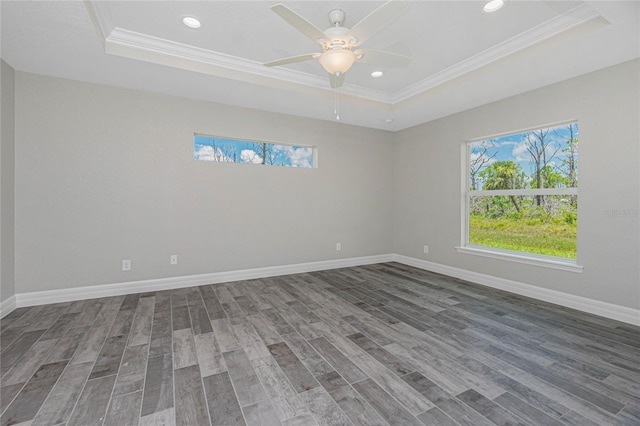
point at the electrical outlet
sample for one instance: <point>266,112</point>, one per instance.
<point>126,265</point>
<point>338,246</point>
<point>426,249</point>
<point>173,260</point>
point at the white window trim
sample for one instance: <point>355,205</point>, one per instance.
<point>528,192</point>
<point>552,262</point>
<point>522,257</point>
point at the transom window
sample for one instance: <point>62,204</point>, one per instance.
<point>522,192</point>
<point>226,150</point>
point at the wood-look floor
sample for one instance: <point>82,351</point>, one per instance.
<point>380,344</point>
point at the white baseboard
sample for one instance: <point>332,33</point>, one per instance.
<point>604,309</point>
<point>596,307</point>
<point>7,306</point>
<point>118,289</point>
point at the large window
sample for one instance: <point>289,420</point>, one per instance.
<point>225,150</point>
<point>522,193</point>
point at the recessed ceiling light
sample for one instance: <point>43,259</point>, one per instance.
<point>377,74</point>
<point>388,120</point>
<point>493,5</point>
<point>191,22</point>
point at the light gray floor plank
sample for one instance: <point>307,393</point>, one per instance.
<point>489,409</point>
<point>92,405</point>
<point>414,401</point>
<point>228,303</point>
<point>184,349</point>
<point>90,346</point>
<point>26,404</point>
<point>275,321</point>
<point>390,409</point>
<point>249,339</point>
<point>122,324</point>
<point>124,410</point>
<point>161,418</point>
<point>161,339</point>
<point>353,404</point>
<point>435,417</point>
<point>338,360</point>
<point>261,414</point>
<point>7,393</point>
<point>524,410</point>
<point>180,317</point>
<point>225,336</point>
<point>224,408</point>
<point>141,328</point>
<point>306,420</point>
<point>301,379</point>
<point>58,406</point>
<point>282,394</point>
<point>109,358</point>
<point>60,327</point>
<point>307,354</point>
<point>190,404</point>
<point>28,363</point>
<point>267,333</point>
<point>15,351</point>
<point>209,355</point>
<point>245,381</point>
<point>132,370</point>
<point>158,385</point>
<point>387,359</point>
<point>66,346</point>
<point>324,408</point>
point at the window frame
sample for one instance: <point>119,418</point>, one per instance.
<point>548,261</point>
<point>314,150</point>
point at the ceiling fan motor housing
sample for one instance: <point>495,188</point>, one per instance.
<point>337,41</point>
<point>336,17</point>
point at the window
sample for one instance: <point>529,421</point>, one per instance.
<point>225,150</point>
<point>522,193</point>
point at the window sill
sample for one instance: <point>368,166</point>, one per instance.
<point>528,259</point>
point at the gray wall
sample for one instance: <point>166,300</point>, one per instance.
<point>428,182</point>
<point>7,174</point>
<point>105,174</point>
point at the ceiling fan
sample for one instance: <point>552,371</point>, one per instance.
<point>338,42</point>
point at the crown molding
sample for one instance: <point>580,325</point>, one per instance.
<point>134,45</point>
<point>101,19</point>
<point>130,44</point>
<point>528,38</point>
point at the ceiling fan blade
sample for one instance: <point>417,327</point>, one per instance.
<point>379,57</point>
<point>298,22</point>
<point>336,80</point>
<point>377,20</point>
<point>292,59</point>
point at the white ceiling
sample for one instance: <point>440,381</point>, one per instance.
<point>461,57</point>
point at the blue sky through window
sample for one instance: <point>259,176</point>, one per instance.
<point>513,147</point>
<point>209,148</point>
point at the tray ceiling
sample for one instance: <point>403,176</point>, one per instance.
<point>461,57</point>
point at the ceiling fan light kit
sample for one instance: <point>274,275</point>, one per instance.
<point>337,42</point>
<point>337,61</point>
